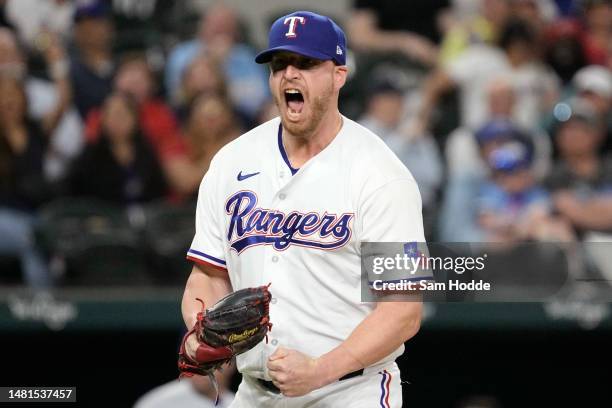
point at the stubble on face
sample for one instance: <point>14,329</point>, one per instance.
<point>306,128</point>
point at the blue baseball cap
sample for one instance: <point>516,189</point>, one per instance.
<point>510,157</point>
<point>308,34</point>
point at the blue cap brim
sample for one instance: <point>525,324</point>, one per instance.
<point>266,55</point>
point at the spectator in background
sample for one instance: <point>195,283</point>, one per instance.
<point>155,119</point>
<point>597,23</point>
<point>458,219</point>
<point>572,43</point>
<point>157,122</point>
<point>35,18</point>
<point>462,150</point>
<point>23,146</point>
<point>537,13</point>
<point>211,125</point>
<point>385,27</point>
<point>192,392</point>
<point>511,205</point>
<point>508,205</point>
<point>120,166</point>
<point>146,25</point>
<point>219,39</point>
<point>92,66</point>
<point>22,184</point>
<point>594,85</point>
<point>384,116</point>
<point>202,76</point>
<point>581,182</point>
<point>44,98</point>
<point>536,86</point>
<point>468,27</point>
<point>563,48</point>
<point>458,215</point>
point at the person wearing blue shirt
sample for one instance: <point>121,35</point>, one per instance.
<point>218,39</point>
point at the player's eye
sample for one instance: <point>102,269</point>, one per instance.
<point>308,63</point>
<point>280,63</point>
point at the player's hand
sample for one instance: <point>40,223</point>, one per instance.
<point>191,345</point>
<point>294,373</point>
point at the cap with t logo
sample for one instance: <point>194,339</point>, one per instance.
<point>308,34</point>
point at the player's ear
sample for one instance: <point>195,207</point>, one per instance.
<point>340,75</point>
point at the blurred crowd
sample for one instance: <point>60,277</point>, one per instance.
<point>501,109</point>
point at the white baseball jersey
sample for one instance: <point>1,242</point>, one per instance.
<point>300,229</point>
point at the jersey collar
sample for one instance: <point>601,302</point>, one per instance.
<point>282,150</point>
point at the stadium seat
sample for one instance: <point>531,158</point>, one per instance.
<point>168,231</point>
<point>95,240</point>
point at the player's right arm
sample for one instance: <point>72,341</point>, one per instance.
<point>207,283</point>
<point>209,279</point>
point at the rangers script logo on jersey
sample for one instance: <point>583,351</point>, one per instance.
<point>251,226</point>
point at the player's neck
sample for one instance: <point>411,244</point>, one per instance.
<point>300,149</point>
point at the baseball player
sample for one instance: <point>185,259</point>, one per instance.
<point>289,203</point>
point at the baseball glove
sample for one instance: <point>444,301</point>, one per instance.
<point>235,324</point>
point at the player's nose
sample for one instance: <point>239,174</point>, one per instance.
<point>291,71</point>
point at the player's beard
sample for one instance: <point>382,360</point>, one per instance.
<point>306,127</point>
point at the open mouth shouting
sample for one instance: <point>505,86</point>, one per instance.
<point>295,103</point>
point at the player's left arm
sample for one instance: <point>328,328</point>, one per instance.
<point>387,327</point>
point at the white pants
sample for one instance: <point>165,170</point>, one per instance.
<point>374,389</point>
